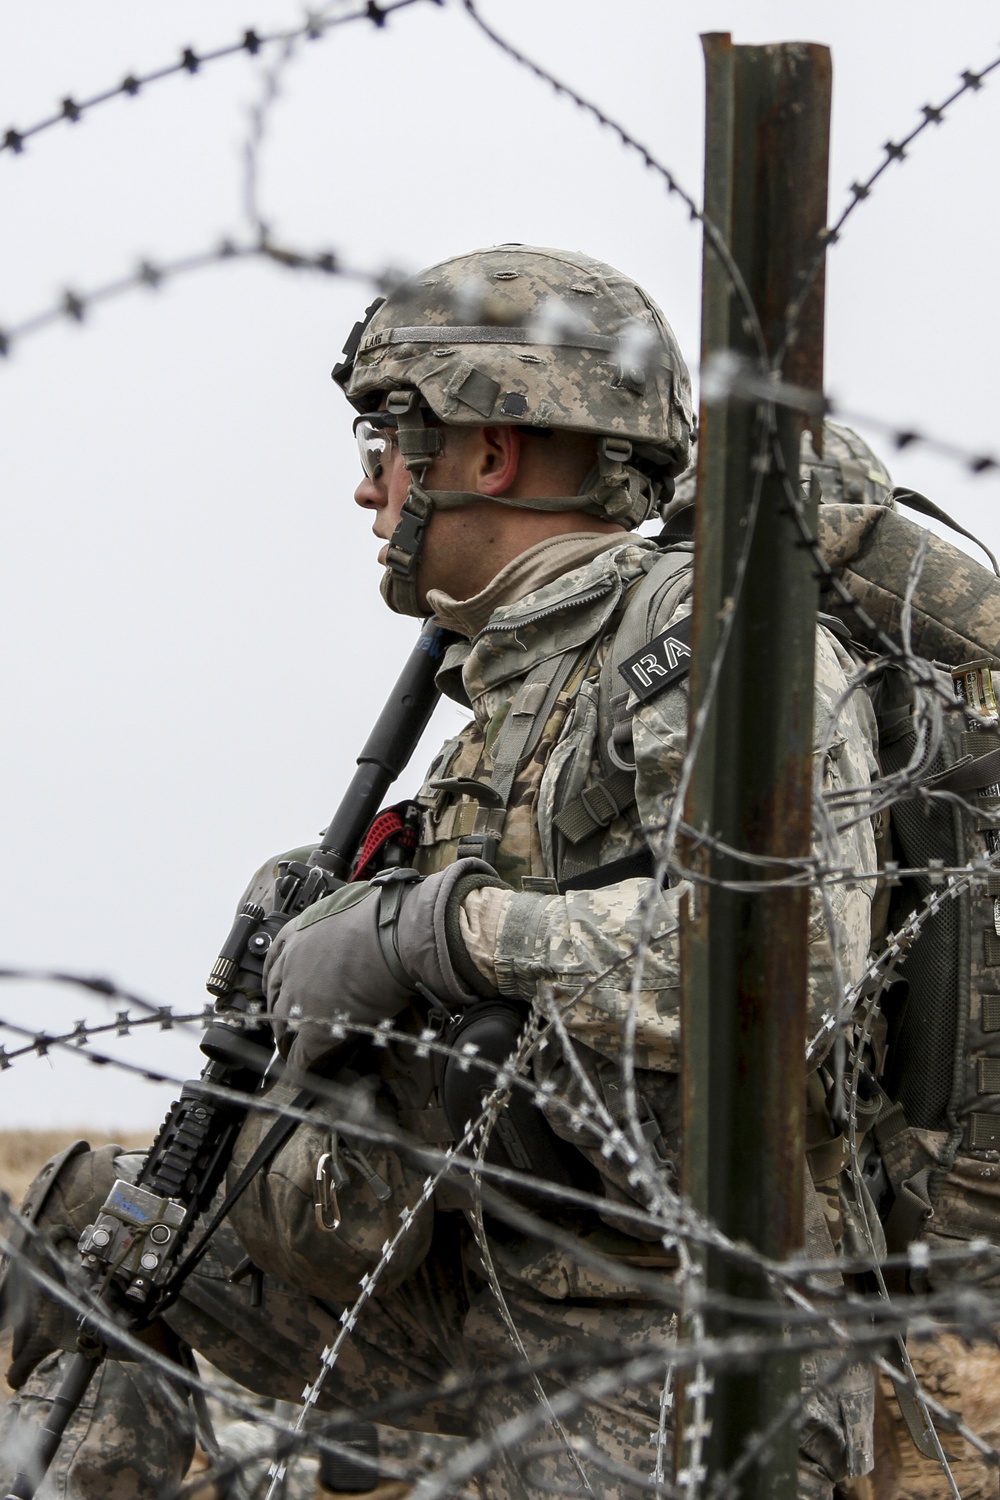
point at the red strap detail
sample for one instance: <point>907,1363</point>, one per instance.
<point>389,824</point>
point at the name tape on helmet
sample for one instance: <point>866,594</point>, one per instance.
<point>660,663</point>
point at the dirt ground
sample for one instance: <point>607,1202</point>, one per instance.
<point>22,1152</point>
<point>965,1380</point>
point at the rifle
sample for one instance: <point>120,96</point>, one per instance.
<point>134,1246</point>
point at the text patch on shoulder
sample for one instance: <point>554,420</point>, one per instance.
<point>663,661</point>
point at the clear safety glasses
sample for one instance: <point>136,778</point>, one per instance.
<point>376,433</point>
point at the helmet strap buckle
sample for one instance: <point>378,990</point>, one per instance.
<point>403,552</point>
<point>418,443</point>
<point>613,453</point>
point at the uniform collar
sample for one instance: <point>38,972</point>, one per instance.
<point>532,570</point>
<point>560,615</point>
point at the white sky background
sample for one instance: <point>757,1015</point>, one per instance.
<point>193,648</point>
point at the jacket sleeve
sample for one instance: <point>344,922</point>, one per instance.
<point>599,954</point>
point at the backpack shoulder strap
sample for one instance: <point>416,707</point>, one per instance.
<point>652,602</point>
<point>654,598</point>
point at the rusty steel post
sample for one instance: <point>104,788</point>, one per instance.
<point>745,953</point>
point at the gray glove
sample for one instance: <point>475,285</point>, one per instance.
<point>362,952</point>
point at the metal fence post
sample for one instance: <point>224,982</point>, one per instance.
<point>745,953</point>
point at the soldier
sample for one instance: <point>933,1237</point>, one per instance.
<point>519,413</point>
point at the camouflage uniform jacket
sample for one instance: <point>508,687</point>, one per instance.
<point>581,950</point>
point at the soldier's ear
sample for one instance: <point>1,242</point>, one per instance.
<point>497,457</point>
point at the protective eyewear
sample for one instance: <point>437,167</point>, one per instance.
<point>376,433</point>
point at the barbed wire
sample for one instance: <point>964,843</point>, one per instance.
<point>894,152</point>
<point>719,1351</point>
<point>807,1313</point>
<point>74,306</point>
<point>730,376</point>
<point>318,24</point>
<point>475,1456</point>
<point>385,1031</point>
<point>509,1074</point>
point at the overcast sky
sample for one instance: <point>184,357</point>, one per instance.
<point>193,645</point>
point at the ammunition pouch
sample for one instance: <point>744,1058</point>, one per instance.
<point>318,1216</point>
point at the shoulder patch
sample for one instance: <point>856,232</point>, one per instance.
<point>661,662</point>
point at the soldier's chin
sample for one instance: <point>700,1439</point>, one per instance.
<point>383,553</point>
<point>390,591</point>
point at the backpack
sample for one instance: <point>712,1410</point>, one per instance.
<point>933,1113</point>
<point>937,1126</point>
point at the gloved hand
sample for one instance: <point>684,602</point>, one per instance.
<point>362,952</point>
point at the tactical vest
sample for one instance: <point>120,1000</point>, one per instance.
<point>936,1115</point>
<point>546,791</point>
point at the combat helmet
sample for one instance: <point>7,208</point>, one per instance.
<point>530,338</point>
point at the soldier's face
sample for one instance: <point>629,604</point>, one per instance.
<point>384,494</point>
<point>455,539</point>
<point>465,547</point>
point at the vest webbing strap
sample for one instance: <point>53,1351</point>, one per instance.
<point>597,806</point>
<point>514,740</point>
<point>970,774</point>
<point>910,1211</point>
<point>582,820</point>
<point>637,866</point>
<point>518,738</point>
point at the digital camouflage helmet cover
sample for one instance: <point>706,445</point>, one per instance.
<point>531,338</point>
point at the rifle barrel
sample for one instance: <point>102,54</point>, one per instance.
<point>386,751</point>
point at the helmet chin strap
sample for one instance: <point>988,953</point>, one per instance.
<point>614,490</point>
<point>399,581</point>
<point>417,445</point>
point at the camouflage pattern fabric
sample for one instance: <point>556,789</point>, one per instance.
<point>433,1355</point>
<point>956,603</point>
<point>123,1443</point>
<point>442,1323</point>
<point>578,346</point>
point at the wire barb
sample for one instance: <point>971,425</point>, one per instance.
<point>251,42</point>
<point>811,1309</point>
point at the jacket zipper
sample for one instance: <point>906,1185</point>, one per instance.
<point>552,609</point>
